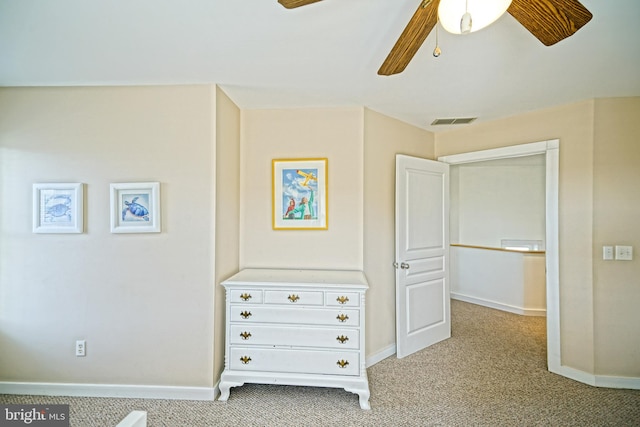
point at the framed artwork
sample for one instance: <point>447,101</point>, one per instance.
<point>58,208</point>
<point>135,207</point>
<point>299,188</point>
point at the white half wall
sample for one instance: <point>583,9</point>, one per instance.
<point>509,281</point>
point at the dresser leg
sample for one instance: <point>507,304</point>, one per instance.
<point>363,392</point>
<point>225,387</point>
<point>224,392</point>
<point>364,400</point>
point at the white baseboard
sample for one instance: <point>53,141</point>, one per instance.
<point>604,381</point>
<point>381,355</point>
<point>574,374</point>
<point>210,393</point>
<point>541,312</point>
<point>108,390</point>
<point>617,382</point>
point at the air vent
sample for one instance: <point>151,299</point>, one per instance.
<point>454,121</point>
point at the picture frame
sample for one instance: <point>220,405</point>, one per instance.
<point>58,208</point>
<point>135,207</point>
<point>300,194</point>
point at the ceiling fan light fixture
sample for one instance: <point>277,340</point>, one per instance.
<point>456,16</point>
<point>465,23</point>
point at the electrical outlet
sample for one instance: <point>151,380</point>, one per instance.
<point>607,253</point>
<point>624,253</point>
<point>81,348</point>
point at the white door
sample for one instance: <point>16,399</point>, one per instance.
<point>423,315</point>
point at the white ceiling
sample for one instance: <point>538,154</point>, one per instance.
<point>321,55</point>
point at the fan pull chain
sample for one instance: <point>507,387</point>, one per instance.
<point>437,51</point>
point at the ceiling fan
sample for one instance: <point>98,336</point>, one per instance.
<point>548,20</point>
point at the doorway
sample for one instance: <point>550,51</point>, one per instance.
<point>497,217</point>
<point>550,149</point>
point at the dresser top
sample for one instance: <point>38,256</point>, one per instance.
<point>311,278</point>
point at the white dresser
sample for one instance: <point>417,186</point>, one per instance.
<point>296,327</point>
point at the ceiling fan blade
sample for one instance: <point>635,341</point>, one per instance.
<point>414,34</point>
<point>291,4</point>
<point>550,20</point>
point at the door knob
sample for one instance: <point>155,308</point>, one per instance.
<point>404,266</point>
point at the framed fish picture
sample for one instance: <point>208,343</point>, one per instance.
<point>135,207</point>
<point>58,208</point>
<point>299,188</point>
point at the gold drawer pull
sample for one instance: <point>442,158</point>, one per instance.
<point>245,297</point>
<point>245,359</point>
<point>342,317</point>
<point>293,298</point>
<point>342,339</point>
<point>342,363</point>
<point>342,300</point>
<point>245,335</point>
<point>245,314</point>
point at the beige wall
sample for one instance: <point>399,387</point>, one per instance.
<point>192,139</point>
<point>384,137</point>
<point>616,212</point>
<point>133,297</point>
<point>598,146</point>
<point>227,226</point>
<point>142,302</point>
<point>360,146</point>
<point>335,134</point>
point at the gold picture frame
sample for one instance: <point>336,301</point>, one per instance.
<point>300,194</point>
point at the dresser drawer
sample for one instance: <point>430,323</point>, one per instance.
<point>295,361</point>
<point>338,338</point>
<point>294,297</point>
<point>253,296</point>
<point>343,299</point>
<point>294,315</point>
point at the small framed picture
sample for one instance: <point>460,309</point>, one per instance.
<point>299,189</point>
<point>58,208</point>
<point>135,207</point>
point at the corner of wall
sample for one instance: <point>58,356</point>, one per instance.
<point>226,164</point>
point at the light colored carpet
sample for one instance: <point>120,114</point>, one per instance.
<point>491,372</point>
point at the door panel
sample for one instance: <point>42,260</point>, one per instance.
<point>421,318</point>
<point>422,250</point>
<point>421,189</point>
<point>422,266</point>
